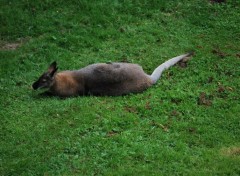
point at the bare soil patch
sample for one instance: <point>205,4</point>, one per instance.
<point>10,46</point>
<point>231,151</point>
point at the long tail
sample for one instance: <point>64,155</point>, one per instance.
<point>158,71</point>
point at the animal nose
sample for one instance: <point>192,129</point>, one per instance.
<point>34,86</point>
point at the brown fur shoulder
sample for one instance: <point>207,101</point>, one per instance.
<point>66,84</point>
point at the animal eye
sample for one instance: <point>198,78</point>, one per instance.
<point>44,80</point>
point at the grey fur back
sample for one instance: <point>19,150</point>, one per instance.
<point>115,78</point>
<point>121,78</point>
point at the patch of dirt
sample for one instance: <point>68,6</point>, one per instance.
<point>111,133</point>
<point>122,29</point>
<point>231,151</point>
<point>203,99</point>
<point>219,53</point>
<point>131,109</point>
<point>174,113</point>
<point>238,55</point>
<point>10,46</point>
<point>222,91</point>
<point>192,130</point>
<point>210,79</point>
<point>19,83</point>
<point>148,106</point>
<point>183,62</point>
<point>176,100</point>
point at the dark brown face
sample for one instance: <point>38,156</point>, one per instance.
<point>43,82</point>
<point>46,79</point>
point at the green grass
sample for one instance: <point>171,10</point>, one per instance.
<point>187,124</point>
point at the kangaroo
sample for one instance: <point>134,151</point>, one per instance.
<point>104,79</point>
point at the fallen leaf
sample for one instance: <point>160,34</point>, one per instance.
<point>164,127</point>
<point>229,88</point>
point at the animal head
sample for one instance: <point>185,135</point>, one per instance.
<point>47,78</point>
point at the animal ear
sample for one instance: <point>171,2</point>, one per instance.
<point>52,68</point>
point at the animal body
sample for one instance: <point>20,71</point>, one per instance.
<point>105,79</point>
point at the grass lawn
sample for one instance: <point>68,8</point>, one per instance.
<point>186,124</point>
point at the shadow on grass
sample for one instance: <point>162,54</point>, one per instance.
<point>46,95</point>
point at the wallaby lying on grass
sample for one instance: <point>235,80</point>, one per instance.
<point>111,79</point>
